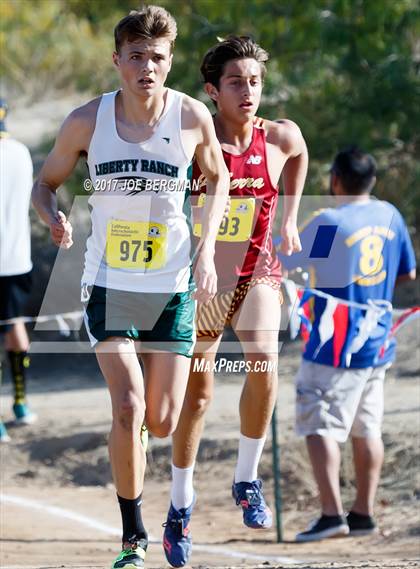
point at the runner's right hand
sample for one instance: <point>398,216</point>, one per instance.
<point>61,231</point>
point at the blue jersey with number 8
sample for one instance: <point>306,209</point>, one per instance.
<point>354,252</point>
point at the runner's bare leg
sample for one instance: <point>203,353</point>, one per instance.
<point>186,438</point>
<point>117,358</point>
<point>166,376</point>
<point>257,324</point>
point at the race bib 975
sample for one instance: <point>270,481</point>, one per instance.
<point>136,244</point>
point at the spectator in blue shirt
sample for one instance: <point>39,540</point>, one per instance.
<point>356,251</point>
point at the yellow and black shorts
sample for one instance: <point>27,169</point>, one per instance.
<point>211,318</point>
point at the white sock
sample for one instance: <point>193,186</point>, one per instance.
<point>182,490</point>
<point>249,455</point>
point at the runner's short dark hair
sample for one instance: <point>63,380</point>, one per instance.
<point>233,47</point>
<point>151,22</point>
<point>356,170</point>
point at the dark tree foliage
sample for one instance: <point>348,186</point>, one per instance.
<point>347,71</point>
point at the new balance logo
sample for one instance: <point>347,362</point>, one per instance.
<point>254,159</point>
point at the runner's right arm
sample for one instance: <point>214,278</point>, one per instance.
<point>73,139</point>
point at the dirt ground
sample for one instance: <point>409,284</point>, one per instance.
<point>58,504</point>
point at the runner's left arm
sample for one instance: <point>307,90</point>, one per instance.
<point>302,258</point>
<point>294,173</point>
<point>209,156</point>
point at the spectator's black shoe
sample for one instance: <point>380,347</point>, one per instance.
<point>360,524</point>
<point>324,527</point>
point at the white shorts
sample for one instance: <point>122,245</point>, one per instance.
<point>337,402</point>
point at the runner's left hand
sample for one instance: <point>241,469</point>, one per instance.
<point>205,277</point>
<point>290,239</point>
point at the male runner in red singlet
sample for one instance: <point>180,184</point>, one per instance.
<point>257,152</point>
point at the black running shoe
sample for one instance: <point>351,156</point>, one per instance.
<point>324,527</point>
<point>360,524</point>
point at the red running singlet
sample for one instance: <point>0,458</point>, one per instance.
<point>244,249</point>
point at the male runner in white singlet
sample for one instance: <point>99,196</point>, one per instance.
<point>139,142</point>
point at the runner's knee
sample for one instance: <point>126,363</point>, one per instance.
<point>131,412</point>
<point>197,403</point>
<point>162,428</point>
<point>263,363</point>
<point>259,345</point>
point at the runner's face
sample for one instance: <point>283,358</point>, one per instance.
<point>239,93</point>
<point>144,65</point>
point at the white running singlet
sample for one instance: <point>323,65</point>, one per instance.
<point>140,238</point>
